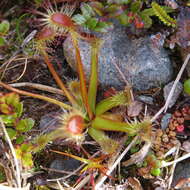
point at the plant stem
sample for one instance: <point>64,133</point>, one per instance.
<point>38,86</point>
<point>22,92</point>
<point>110,125</point>
<point>81,74</point>
<point>16,162</point>
<point>107,144</point>
<point>57,79</point>
<point>92,91</point>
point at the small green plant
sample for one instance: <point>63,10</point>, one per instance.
<point>11,110</point>
<point>151,165</point>
<point>4,29</point>
<point>186,86</point>
<point>89,20</point>
<point>96,15</point>
<point>162,15</point>
<point>84,114</point>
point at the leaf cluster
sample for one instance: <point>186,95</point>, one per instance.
<point>11,110</point>
<point>152,165</point>
<point>126,11</point>
<point>88,19</point>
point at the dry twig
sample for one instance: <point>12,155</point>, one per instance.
<point>18,172</point>
<point>38,86</point>
<point>165,107</point>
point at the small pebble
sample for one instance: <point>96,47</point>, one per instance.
<point>174,141</point>
<point>156,147</point>
<point>177,91</point>
<point>159,133</point>
<point>61,164</point>
<point>159,154</point>
<point>165,139</point>
<point>165,121</point>
<point>172,134</point>
<point>172,127</point>
<point>159,188</point>
<point>146,99</point>
<point>167,130</point>
<point>158,141</point>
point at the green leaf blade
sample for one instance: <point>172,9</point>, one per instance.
<point>25,125</point>
<point>92,91</point>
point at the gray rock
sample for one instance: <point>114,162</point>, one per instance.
<point>165,121</point>
<point>65,165</point>
<point>182,171</point>
<point>142,64</point>
<point>177,91</point>
<point>188,69</point>
<point>145,99</point>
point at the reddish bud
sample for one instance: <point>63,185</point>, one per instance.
<point>62,19</point>
<point>138,23</point>
<point>76,124</point>
<point>180,128</point>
